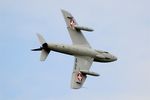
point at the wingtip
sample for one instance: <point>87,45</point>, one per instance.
<point>66,13</point>
<point>63,10</point>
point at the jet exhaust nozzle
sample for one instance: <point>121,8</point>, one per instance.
<point>44,49</point>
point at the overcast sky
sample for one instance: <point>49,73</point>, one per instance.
<point>122,27</point>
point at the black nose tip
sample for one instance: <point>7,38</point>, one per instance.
<point>114,58</point>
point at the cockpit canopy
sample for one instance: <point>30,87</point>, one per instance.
<point>103,56</point>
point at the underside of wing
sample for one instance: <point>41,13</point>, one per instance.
<point>81,64</point>
<point>76,35</point>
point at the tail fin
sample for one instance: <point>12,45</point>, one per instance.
<point>41,39</point>
<point>44,48</point>
<point>44,55</point>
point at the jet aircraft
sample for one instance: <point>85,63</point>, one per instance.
<point>84,54</point>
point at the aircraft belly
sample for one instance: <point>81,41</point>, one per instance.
<point>72,50</point>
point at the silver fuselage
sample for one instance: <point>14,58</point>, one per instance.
<point>79,50</point>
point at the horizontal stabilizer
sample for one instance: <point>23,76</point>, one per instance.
<point>89,73</point>
<point>41,39</point>
<point>44,55</point>
<point>44,48</point>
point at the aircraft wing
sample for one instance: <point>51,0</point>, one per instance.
<point>82,64</point>
<point>76,35</point>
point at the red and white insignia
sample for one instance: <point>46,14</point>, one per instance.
<point>72,23</point>
<point>79,76</point>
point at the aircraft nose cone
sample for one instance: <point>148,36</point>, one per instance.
<point>114,58</point>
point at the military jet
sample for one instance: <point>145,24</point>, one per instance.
<point>81,50</point>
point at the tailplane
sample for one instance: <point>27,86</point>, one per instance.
<point>44,48</point>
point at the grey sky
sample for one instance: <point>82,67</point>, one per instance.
<point>121,27</point>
